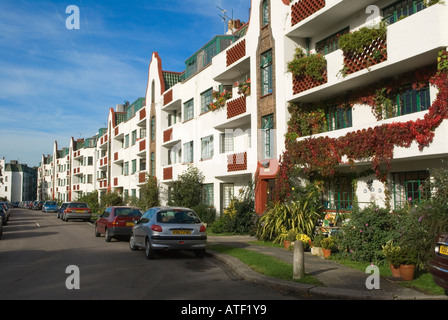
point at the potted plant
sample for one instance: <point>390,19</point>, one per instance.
<point>407,266</point>
<point>393,254</point>
<point>305,240</point>
<point>290,237</point>
<point>316,246</point>
<point>327,245</point>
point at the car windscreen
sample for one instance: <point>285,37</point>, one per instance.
<point>50,203</point>
<point>78,205</point>
<point>128,212</point>
<point>177,216</point>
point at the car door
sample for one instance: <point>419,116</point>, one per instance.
<point>102,221</point>
<point>139,228</point>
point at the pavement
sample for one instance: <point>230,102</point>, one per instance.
<point>338,281</point>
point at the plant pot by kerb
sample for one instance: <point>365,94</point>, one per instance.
<point>407,272</point>
<point>327,252</point>
<point>395,271</point>
<point>317,251</point>
<point>286,244</point>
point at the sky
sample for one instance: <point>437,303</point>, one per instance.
<point>58,82</point>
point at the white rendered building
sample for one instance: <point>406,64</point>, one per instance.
<point>251,134</point>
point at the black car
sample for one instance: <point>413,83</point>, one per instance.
<point>438,266</point>
<point>2,219</point>
<point>37,205</point>
<point>4,206</point>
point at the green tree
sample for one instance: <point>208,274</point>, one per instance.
<point>111,199</point>
<point>149,194</point>
<point>92,200</point>
<point>186,191</point>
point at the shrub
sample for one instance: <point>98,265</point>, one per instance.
<point>206,214</point>
<point>239,217</point>
<point>300,215</point>
<point>367,231</point>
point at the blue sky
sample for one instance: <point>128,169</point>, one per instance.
<point>57,83</point>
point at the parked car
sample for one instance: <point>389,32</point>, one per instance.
<point>77,210</point>
<point>61,209</point>
<point>50,206</point>
<point>4,206</point>
<point>438,266</point>
<point>169,228</point>
<point>2,219</point>
<point>37,205</point>
<point>117,222</point>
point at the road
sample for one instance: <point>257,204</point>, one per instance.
<point>37,248</point>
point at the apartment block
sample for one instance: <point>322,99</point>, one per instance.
<point>17,181</point>
<point>240,114</point>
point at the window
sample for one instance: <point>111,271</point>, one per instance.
<point>267,126</point>
<point>90,161</point>
<point>266,73</point>
<point>410,187</point>
<point>126,168</point>
<point>134,136</point>
<point>153,91</point>
<point>226,141</point>
<point>188,152</point>
<point>207,147</point>
<point>265,13</point>
<point>331,43</point>
<point>126,141</point>
<point>206,99</point>
<point>402,9</point>
<point>134,166</point>
<point>226,195</point>
<point>338,118</point>
<point>142,164</point>
<point>153,164</point>
<point>339,194</point>
<point>188,110</point>
<point>142,133</point>
<point>207,194</point>
<point>153,128</point>
<point>409,101</point>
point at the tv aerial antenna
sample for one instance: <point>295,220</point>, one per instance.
<point>224,17</point>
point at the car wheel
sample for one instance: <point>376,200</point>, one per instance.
<point>148,250</point>
<point>132,245</point>
<point>97,234</point>
<point>199,253</point>
<point>108,237</point>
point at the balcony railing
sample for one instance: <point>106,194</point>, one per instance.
<point>236,52</point>
<point>305,8</point>
<point>236,107</point>
<point>237,162</point>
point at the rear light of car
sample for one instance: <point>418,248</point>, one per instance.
<point>202,229</point>
<point>115,223</point>
<point>156,228</point>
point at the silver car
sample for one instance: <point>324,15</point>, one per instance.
<point>169,228</point>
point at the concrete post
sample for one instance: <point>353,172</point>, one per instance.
<point>298,260</point>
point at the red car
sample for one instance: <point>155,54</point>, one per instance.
<point>117,222</point>
<point>438,266</point>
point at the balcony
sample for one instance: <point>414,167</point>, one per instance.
<point>402,55</point>
<point>231,65</point>
<point>141,148</point>
<point>237,162</point>
<point>172,136</point>
<point>236,115</point>
<point>142,117</point>
<point>172,99</point>
<point>312,17</point>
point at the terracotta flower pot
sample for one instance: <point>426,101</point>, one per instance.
<point>395,271</point>
<point>286,244</point>
<point>327,252</point>
<point>407,272</point>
